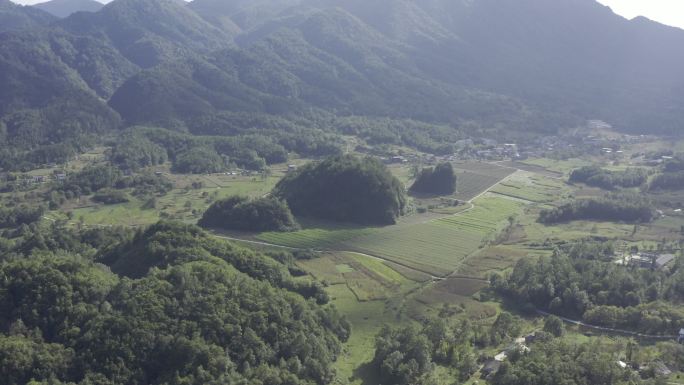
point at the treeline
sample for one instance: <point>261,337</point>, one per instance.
<point>585,287</point>
<point>13,217</point>
<point>245,214</point>
<point>309,134</point>
<point>440,180</point>
<point>97,177</point>
<point>668,181</point>
<point>614,207</point>
<point>133,152</point>
<point>18,159</point>
<point>344,189</point>
<point>209,313</point>
<point>672,176</point>
<point>430,138</point>
<point>607,179</point>
<point>210,154</point>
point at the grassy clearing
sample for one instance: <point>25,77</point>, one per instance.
<point>177,204</point>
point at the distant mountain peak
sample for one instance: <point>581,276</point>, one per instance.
<point>64,8</point>
<point>15,17</point>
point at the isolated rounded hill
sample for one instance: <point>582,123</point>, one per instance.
<point>345,188</point>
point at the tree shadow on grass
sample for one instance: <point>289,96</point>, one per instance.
<point>368,374</point>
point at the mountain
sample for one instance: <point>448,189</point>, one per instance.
<point>329,59</point>
<point>149,32</point>
<point>500,67</point>
<point>48,83</point>
<point>535,51</point>
<point>16,17</point>
<point>64,8</point>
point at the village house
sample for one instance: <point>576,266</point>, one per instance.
<point>681,336</point>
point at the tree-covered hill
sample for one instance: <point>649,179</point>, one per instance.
<point>213,314</point>
<point>244,214</point>
<point>345,189</point>
<point>64,8</point>
<point>16,17</point>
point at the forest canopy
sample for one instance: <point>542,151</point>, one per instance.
<point>346,189</point>
<point>615,207</point>
<point>607,179</point>
<point>211,313</point>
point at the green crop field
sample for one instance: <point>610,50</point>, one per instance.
<point>439,246</point>
<point>316,238</point>
<point>436,247</point>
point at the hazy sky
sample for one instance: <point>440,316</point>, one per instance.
<point>670,12</point>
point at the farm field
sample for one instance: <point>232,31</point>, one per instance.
<point>533,169</point>
<point>370,293</point>
<point>474,178</point>
<point>435,247</point>
<point>391,299</point>
<point>491,259</point>
<point>563,167</point>
<point>530,187</point>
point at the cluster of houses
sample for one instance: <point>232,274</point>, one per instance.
<point>646,260</point>
<point>57,175</point>
<point>501,152</point>
<point>522,345</point>
<point>519,345</point>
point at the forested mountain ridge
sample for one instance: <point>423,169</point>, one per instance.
<point>16,17</point>
<point>64,8</point>
<point>498,67</point>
